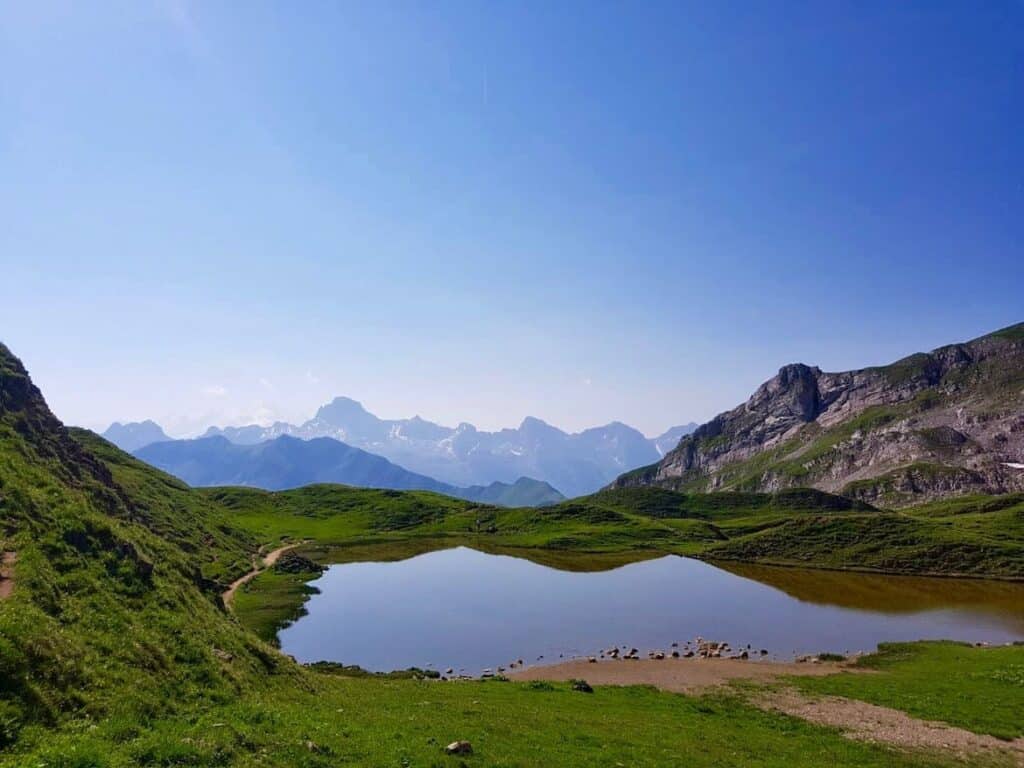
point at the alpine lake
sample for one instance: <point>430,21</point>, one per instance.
<point>468,611</point>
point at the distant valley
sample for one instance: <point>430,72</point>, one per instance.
<point>463,456</point>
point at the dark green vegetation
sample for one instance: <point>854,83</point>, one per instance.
<point>974,536</point>
<point>980,689</point>
<point>115,649</point>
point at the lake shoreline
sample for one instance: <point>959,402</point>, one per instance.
<point>467,611</point>
<point>674,675</point>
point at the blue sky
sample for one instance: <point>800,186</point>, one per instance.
<point>226,212</point>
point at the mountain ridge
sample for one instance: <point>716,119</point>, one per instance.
<point>289,462</point>
<point>575,463</point>
<point>135,434</point>
<point>929,425</point>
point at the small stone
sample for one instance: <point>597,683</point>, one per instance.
<point>459,748</point>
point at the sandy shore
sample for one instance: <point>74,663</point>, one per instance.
<point>680,675</point>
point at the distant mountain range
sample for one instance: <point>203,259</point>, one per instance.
<point>134,435</point>
<point>288,462</point>
<point>933,425</point>
<point>575,464</point>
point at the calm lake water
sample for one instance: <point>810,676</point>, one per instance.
<point>468,610</point>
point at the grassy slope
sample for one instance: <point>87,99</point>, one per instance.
<point>330,721</point>
<point>968,536</point>
<point>111,610</point>
<point>981,689</point>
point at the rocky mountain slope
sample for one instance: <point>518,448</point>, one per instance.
<point>931,425</point>
<point>288,462</point>
<point>575,464</point>
<point>670,438</point>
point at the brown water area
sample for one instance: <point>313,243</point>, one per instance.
<point>1001,600</point>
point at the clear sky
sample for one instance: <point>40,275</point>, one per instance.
<point>223,212</point>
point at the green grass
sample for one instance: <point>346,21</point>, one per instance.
<point>325,720</point>
<point>980,689</point>
<point>1011,333</point>
<point>115,597</point>
<point>940,539</point>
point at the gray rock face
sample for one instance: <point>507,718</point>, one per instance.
<point>928,426</point>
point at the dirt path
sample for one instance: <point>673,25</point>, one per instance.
<point>869,722</point>
<point>678,675</point>
<point>268,561</point>
<point>7,561</point>
<point>858,720</point>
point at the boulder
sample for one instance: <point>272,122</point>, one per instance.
<point>459,748</point>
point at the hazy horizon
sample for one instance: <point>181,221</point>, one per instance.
<point>199,431</point>
<point>195,428</point>
<point>584,212</point>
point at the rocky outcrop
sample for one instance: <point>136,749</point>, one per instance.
<point>931,425</point>
<point>23,409</point>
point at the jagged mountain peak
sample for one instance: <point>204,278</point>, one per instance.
<point>576,463</point>
<point>133,435</point>
<point>340,409</point>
